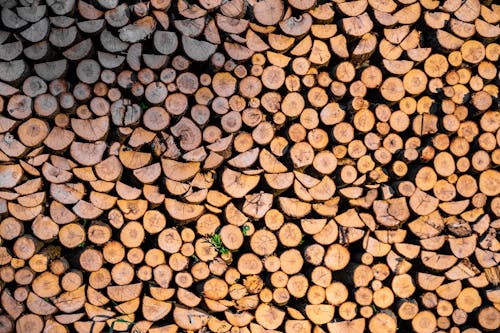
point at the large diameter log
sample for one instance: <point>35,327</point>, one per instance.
<point>198,50</point>
<point>165,42</point>
<point>268,12</point>
<point>138,31</point>
<point>88,153</point>
<point>237,184</point>
<point>183,212</point>
<point>10,175</point>
<point>13,70</point>
<point>190,319</point>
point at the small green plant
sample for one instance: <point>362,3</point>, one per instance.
<point>82,244</point>
<point>144,106</point>
<point>216,242</point>
<point>244,229</point>
<point>195,258</point>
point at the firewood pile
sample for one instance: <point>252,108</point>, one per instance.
<point>249,166</point>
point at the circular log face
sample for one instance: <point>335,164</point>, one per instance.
<point>291,166</point>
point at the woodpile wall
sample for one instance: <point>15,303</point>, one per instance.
<point>246,166</point>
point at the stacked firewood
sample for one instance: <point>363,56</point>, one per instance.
<point>245,166</point>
